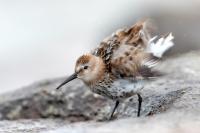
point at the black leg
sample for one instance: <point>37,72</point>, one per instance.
<point>113,111</point>
<point>139,104</point>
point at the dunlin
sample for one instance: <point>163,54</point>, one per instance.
<point>122,64</point>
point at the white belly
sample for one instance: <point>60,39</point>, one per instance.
<point>124,88</point>
<point>119,89</point>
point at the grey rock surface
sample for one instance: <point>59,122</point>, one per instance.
<point>171,122</point>
<point>171,102</point>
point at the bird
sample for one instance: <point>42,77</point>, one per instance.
<point>123,63</point>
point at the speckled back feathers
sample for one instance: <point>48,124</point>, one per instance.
<point>124,51</point>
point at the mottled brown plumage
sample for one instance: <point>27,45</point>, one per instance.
<point>124,52</point>
<point>122,64</point>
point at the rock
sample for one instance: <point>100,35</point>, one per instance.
<point>175,97</point>
<point>43,101</point>
<point>163,123</point>
<point>30,126</point>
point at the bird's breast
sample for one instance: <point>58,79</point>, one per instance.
<point>118,89</point>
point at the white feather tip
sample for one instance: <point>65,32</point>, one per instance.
<point>159,47</point>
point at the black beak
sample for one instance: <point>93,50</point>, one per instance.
<point>72,77</point>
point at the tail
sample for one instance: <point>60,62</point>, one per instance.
<point>159,46</point>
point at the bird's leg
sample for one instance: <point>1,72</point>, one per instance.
<point>113,111</point>
<point>139,104</point>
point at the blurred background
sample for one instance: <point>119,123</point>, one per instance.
<point>41,39</point>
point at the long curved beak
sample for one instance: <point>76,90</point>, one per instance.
<point>70,78</point>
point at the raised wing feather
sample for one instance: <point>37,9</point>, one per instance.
<point>125,52</point>
<point>136,36</point>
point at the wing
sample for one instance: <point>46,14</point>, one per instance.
<point>128,52</point>
<point>135,36</point>
<point>133,62</point>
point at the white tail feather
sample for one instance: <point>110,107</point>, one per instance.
<point>161,46</point>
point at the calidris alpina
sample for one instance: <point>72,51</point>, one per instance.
<point>120,66</point>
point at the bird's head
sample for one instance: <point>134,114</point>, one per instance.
<point>88,68</point>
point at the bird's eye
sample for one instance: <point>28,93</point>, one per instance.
<point>85,67</point>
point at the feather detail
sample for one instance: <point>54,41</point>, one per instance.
<point>131,52</point>
<point>159,47</point>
